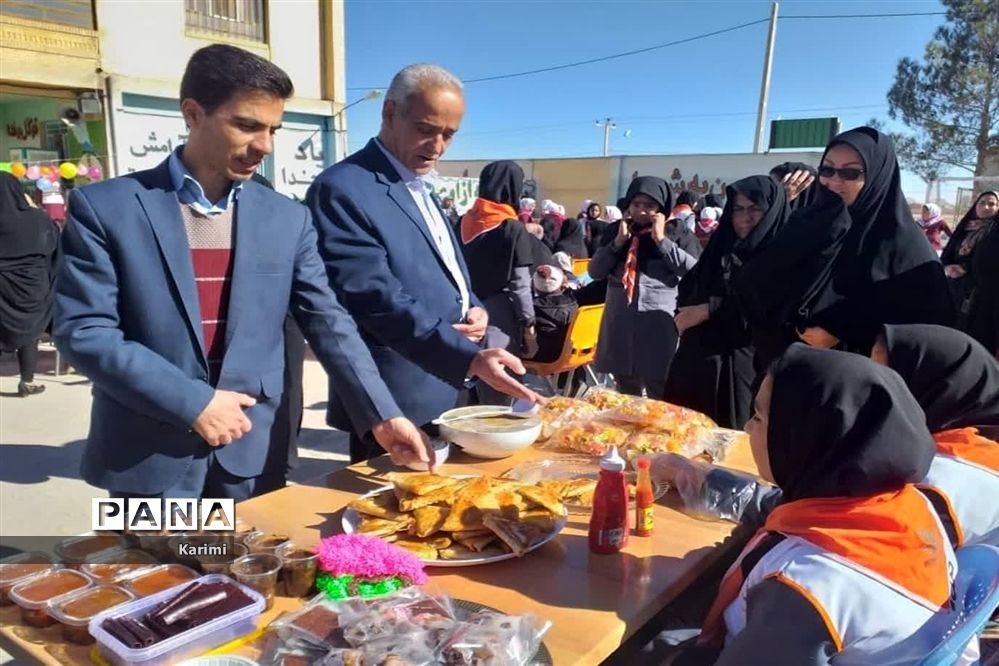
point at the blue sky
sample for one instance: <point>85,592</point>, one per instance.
<point>698,97</point>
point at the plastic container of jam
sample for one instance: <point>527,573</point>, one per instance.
<point>161,578</point>
<point>74,611</point>
<point>116,566</point>
<point>35,594</point>
<point>77,550</point>
<point>184,645</point>
<point>19,568</point>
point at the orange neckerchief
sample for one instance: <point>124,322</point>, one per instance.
<point>967,445</point>
<point>483,216</point>
<point>896,535</point>
<point>630,276</point>
<point>679,210</point>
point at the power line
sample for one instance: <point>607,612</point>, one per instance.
<point>856,16</point>
<point>613,56</point>
<point>686,40</point>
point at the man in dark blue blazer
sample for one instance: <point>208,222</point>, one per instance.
<point>173,295</point>
<point>395,262</point>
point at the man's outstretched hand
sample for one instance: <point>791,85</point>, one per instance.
<point>491,365</point>
<point>403,441</point>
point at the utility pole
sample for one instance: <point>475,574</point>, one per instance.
<point>608,124</point>
<point>768,61</point>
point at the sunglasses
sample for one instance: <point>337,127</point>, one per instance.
<point>845,174</point>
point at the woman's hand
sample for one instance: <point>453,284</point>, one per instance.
<point>658,228</point>
<point>816,336</point>
<point>623,234</point>
<point>954,271</point>
<point>691,316</point>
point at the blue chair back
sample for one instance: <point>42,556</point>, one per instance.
<point>976,598</point>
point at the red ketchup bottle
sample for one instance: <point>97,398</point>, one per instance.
<point>609,520</point>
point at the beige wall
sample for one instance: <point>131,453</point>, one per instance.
<point>605,179</point>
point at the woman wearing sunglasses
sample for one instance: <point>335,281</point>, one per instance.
<point>847,264</point>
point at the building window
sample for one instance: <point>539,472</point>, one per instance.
<point>76,13</point>
<point>243,19</point>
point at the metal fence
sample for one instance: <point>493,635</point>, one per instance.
<point>243,19</point>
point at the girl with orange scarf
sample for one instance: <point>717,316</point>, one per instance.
<point>854,560</point>
<point>956,382</point>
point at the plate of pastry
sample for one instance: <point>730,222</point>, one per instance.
<point>573,479</point>
<point>458,521</point>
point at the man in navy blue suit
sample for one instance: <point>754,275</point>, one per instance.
<point>172,300</point>
<point>396,263</point>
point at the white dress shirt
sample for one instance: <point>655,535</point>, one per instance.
<point>420,189</point>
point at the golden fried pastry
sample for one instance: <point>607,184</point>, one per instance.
<point>383,527</point>
<point>421,484</point>
<point>428,519</point>
<point>382,505</point>
<point>542,497</point>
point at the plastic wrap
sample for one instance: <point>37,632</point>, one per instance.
<point>494,639</point>
<point>707,491</point>
<point>560,411</point>
<point>592,436</point>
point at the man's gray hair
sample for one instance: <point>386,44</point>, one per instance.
<point>415,78</point>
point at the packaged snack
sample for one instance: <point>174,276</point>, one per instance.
<point>657,414</point>
<point>604,398</point>
<point>34,594</point>
<point>160,578</point>
<point>494,639</point>
<point>592,436</point>
<point>317,624</point>
<point>75,611</point>
<point>560,411</point>
<point>116,565</point>
<point>19,568</point>
<point>403,650</point>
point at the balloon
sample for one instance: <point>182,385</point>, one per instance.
<point>96,173</point>
<point>45,171</point>
<point>18,170</point>
<point>82,170</point>
<point>33,173</point>
<point>5,166</point>
<point>43,184</point>
<point>67,170</point>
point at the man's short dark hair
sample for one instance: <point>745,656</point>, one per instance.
<point>217,73</point>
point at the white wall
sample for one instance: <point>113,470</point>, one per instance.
<point>294,41</point>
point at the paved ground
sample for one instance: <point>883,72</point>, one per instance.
<point>41,441</point>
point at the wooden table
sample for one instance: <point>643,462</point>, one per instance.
<point>594,601</point>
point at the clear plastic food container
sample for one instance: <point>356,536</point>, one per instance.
<point>187,644</point>
<point>74,611</point>
<point>118,565</point>
<point>35,594</point>
<point>160,578</point>
<point>77,550</point>
<point>19,568</point>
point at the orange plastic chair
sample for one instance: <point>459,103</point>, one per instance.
<point>580,266</point>
<point>579,349</point>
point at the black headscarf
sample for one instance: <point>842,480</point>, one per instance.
<point>24,230</point>
<point>726,253</point>
<point>711,200</point>
<point>807,197</point>
<point>962,235</point>
<point>572,239</point>
<point>954,378</point>
<point>850,269</point>
<point>502,182</point>
<point>840,425</point>
<point>656,189</point>
<point>492,256</point>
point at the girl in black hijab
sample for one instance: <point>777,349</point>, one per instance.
<point>572,239</point>
<point>501,254</point>
<point>643,258</point>
<point>596,226</point>
<point>852,537</point>
<point>960,255</point>
<point>28,244</point>
<point>713,370</point>
<point>953,378</point>
<point>849,263</point>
